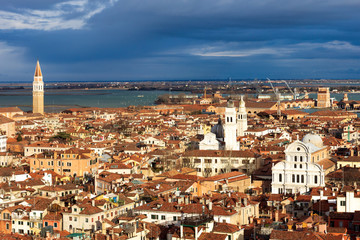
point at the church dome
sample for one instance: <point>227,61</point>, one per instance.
<point>218,129</point>
<point>230,104</point>
<point>314,139</point>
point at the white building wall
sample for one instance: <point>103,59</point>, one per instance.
<point>3,140</point>
<point>230,129</point>
<point>297,174</point>
<point>349,203</point>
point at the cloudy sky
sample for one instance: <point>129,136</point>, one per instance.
<point>182,39</point>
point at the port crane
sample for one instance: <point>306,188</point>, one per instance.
<point>292,92</point>
<point>277,95</point>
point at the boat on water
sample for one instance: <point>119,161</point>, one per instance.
<point>140,96</point>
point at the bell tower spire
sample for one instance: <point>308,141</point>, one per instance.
<point>38,90</point>
<point>241,118</point>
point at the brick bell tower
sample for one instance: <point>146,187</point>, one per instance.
<point>38,91</point>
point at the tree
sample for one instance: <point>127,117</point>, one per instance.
<point>19,137</point>
<point>62,137</point>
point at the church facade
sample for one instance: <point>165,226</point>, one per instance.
<point>224,136</point>
<point>300,171</point>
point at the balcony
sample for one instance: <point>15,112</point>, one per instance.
<point>197,220</point>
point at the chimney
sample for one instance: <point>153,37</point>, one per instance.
<point>276,215</point>
<point>352,152</point>
<point>322,228</point>
<point>210,205</point>
<point>93,203</point>
<point>245,202</point>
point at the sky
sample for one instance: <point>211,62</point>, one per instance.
<point>97,40</point>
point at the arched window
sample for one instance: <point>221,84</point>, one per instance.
<point>301,158</point>
<point>302,178</point>
<point>295,158</point>
<point>316,179</point>
<point>280,177</point>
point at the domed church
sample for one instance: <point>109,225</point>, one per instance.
<point>300,170</point>
<point>225,136</point>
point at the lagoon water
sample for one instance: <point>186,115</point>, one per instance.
<point>58,100</point>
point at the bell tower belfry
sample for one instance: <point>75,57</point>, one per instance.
<point>241,118</point>
<point>38,91</point>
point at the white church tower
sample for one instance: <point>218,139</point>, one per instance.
<point>241,118</point>
<point>230,127</point>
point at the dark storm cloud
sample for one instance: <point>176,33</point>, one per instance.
<point>161,39</point>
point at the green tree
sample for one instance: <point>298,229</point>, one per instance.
<point>19,138</point>
<point>62,137</point>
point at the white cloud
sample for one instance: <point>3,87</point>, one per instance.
<point>239,50</point>
<point>72,14</point>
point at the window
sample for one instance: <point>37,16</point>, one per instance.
<point>316,179</point>
<point>46,224</point>
<point>280,177</point>
<point>302,178</point>
<point>298,178</point>
<point>208,161</point>
<point>70,218</point>
<point>197,160</point>
<point>295,158</point>
<point>75,219</point>
<point>300,165</point>
<point>55,225</point>
<point>86,220</point>
<point>162,217</point>
<point>294,165</point>
<point>68,164</point>
<point>174,218</point>
<point>301,158</point>
<point>154,217</point>
<point>342,203</point>
<point>293,178</point>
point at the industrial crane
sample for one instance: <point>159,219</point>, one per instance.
<point>277,95</point>
<point>293,93</point>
